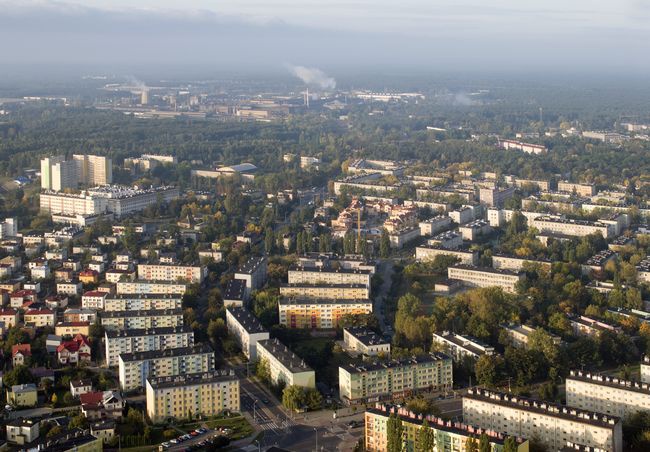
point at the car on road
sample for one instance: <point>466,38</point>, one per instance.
<point>174,441</point>
<point>265,401</point>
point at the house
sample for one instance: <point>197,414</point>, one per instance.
<point>72,328</point>
<point>9,317</point>
<point>89,276</point>
<point>22,431</point>
<point>19,297</point>
<point>56,301</point>
<point>20,354</point>
<point>23,395</point>
<point>40,318</point>
<point>78,387</point>
<point>104,430</point>
<point>75,351</point>
<point>102,405</point>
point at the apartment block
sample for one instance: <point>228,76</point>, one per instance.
<point>516,263</point>
<point>451,240</point>
<point>373,381</point>
<point>128,320</point>
<point>135,368</point>
<point>575,228</point>
<point>246,329</point>
<point>93,299</point>
<point>117,342</point>
<point>586,190</point>
<point>143,302</point>
<point>552,424</point>
<point>435,225</point>
<point>58,174</point>
<point>298,312</point>
<point>495,197</point>
<point>429,252</point>
<point>253,272</point>
<point>325,276</point>
<point>364,341</point>
<point>643,270</point>
<point>460,347</point>
<point>150,287</point>
<point>486,277</point>
<point>93,170</point>
<point>331,291</point>
<point>284,365</point>
<point>474,230</point>
<point>449,435</point>
<point>519,335</point>
<point>607,395</point>
<point>585,326</point>
<point>196,394</point>
<point>171,273</point>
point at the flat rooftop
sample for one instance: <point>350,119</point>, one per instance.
<point>403,362</point>
<point>247,320</point>
<point>192,379</point>
<point>282,353</point>
<point>139,332</point>
<point>198,349</point>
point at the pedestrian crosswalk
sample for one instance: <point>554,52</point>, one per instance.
<point>276,426</point>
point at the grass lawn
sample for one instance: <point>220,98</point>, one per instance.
<point>238,424</point>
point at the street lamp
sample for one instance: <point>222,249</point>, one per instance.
<point>316,430</point>
<point>254,402</point>
<point>259,446</point>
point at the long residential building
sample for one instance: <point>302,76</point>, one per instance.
<point>150,287</point>
<point>143,302</point>
<point>364,341</point>
<point>516,263</point>
<point>460,347</point>
<point>430,252</point>
<point>285,367</point>
<point>323,276</point>
<point>449,435</point>
<point>318,313</point>
<point>373,381</point>
<point>192,394</point>
<point>144,340</point>
<point>332,291</point>
<point>552,424</point>
<point>172,273</point>
<point>253,272</point>
<point>485,277</point>
<point>580,189</point>
<point>607,395</point>
<point>575,228</point>
<point>129,320</point>
<point>135,368</point>
<point>246,329</point>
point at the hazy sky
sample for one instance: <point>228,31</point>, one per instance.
<point>445,35</point>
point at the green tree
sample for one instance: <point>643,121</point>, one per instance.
<point>313,399</point>
<point>488,370</point>
<point>510,444</point>
<point>384,244</point>
<point>394,434</point>
<point>263,370</point>
<point>293,397</point>
<point>471,445</point>
<point>425,439</point>
<point>17,376</point>
<point>78,421</point>
<point>484,443</point>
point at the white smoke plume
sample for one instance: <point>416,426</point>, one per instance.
<point>135,82</point>
<point>313,76</point>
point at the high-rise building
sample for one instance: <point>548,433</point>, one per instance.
<point>93,170</point>
<point>57,173</point>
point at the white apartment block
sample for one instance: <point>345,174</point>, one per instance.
<point>284,365</point>
<point>463,215</point>
<point>246,329</point>
<point>515,263</point>
<point>495,197</point>
<point>317,313</point>
<point>143,302</point>
<point>150,287</point>
<point>435,225</point>
<point>576,228</point>
<point>364,341</point>
<point>554,425</point>
<point>607,395</point>
<point>519,335</point>
<point>196,394</point>
<point>429,252</point>
<point>499,217</point>
<point>171,273</point>
<point>643,270</point>
<point>395,378</point>
<point>135,368</point>
<point>123,200</point>
<point>474,230</point>
<point>585,190</point>
<point>58,174</point>
<point>93,299</point>
<point>645,369</point>
<point>128,320</point>
<point>117,342</point>
<point>71,204</point>
<point>334,291</point>
<point>8,228</point>
<point>253,272</point>
<point>93,170</point>
<point>485,277</point>
<point>450,240</point>
<point>459,346</point>
<point>322,276</point>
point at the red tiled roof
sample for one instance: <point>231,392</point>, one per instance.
<point>25,349</point>
<point>39,312</point>
<point>8,311</point>
<point>91,398</point>
<point>95,293</point>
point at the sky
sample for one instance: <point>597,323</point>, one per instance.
<point>590,36</point>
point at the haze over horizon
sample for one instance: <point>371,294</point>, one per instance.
<point>602,37</point>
